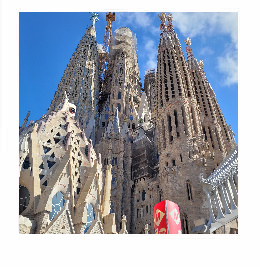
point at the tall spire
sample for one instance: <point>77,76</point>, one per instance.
<point>25,120</point>
<point>80,79</point>
<point>94,17</point>
<point>192,62</point>
<point>166,27</point>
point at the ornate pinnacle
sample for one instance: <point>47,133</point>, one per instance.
<point>94,16</point>
<point>188,41</point>
<point>201,65</point>
<point>164,18</point>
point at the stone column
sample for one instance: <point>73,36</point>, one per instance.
<point>220,213</point>
<point>233,205</point>
<point>211,214</point>
<point>227,210</point>
<point>234,191</point>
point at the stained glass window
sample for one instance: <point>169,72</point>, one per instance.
<point>90,217</point>
<point>57,204</point>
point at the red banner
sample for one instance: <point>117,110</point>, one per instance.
<point>160,224</point>
<point>173,218</point>
<point>167,218</point>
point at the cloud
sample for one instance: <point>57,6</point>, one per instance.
<point>151,51</point>
<point>211,24</point>
<point>137,19</point>
<point>207,23</point>
<point>206,51</point>
<point>228,65</point>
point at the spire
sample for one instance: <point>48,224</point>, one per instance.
<point>25,120</point>
<point>201,65</point>
<point>94,17</point>
<point>192,62</point>
<point>166,27</point>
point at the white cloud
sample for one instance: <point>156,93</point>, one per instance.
<point>209,25</point>
<point>140,19</point>
<point>229,67</point>
<point>151,51</point>
<point>206,51</point>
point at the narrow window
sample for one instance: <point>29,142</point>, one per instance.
<point>170,127</point>
<point>143,195</point>
<point>176,122</point>
<point>193,119</point>
<point>173,162</point>
<point>204,132</point>
<point>163,135</point>
<point>211,138</point>
<point>183,120</point>
<point>119,95</point>
<point>188,184</point>
<point>119,107</point>
<point>184,224</point>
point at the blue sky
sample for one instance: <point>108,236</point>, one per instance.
<point>48,40</point>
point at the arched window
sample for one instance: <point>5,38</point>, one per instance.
<point>24,198</point>
<point>184,224</point>
<point>189,192</point>
<point>57,204</point>
<point>119,95</point>
<point>90,216</point>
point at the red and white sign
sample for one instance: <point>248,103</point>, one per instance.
<point>160,225</point>
<point>167,218</point>
<point>174,219</point>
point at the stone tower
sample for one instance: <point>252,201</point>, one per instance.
<point>79,81</point>
<point>118,119</point>
<point>149,88</point>
<point>214,127</point>
<point>122,87</point>
<point>183,153</point>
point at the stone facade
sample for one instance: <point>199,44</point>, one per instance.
<point>108,159</point>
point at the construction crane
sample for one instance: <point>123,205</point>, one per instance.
<point>103,55</point>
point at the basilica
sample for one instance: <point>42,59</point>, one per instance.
<point>107,150</point>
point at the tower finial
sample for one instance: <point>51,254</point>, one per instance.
<point>163,19</point>
<point>94,16</point>
<point>188,43</point>
<point>201,65</point>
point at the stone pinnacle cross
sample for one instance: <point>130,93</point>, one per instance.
<point>94,17</point>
